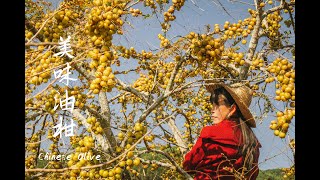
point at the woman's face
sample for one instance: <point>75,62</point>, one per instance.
<point>220,111</point>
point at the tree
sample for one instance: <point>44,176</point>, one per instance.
<point>169,89</point>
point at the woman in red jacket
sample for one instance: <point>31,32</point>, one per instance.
<point>228,149</point>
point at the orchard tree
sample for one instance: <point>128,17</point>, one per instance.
<point>123,122</point>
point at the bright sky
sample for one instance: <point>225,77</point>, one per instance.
<point>194,17</point>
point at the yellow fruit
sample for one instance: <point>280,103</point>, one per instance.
<point>121,135</point>
<point>95,91</point>
<point>285,126</point>
<point>136,161</point>
<point>122,163</point>
<point>129,162</point>
<point>105,174</point>
<point>282,135</point>
<point>118,170</point>
<point>103,58</point>
<point>130,154</point>
<point>273,126</point>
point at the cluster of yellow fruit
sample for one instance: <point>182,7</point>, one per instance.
<point>285,75</point>
<point>36,74</point>
<point>135,12</point>
<point>127,53</point>
<point>33,147</point>
<point>139,130</point>
<point>257,63</point>
<point>165,73</point>
<point>81,157</point>
<point>150,3</point>
<point>281,125</point>
<point>85,144</point>
<point>74,140</point>
<point>290,8</point>
<point>80,98</point>
<point>103,22</point>
<point>126,163</point>
<point>216,28</point>
<point>114,173</point>
<point>149,138</point>
<point>220,73</point>
<point>292,144</point>
<point>165,26</point>
<point>255,87</point>
<point>168,15</point>
<point>162,1</point>
<point>191,119</point>
<point>54,151</point>
<point>144,56</point>
<point>202,101</point>
<point>50,134</point>
<point>47,101</point>
<point>30,161</point>
<point>288,172</point>
<point>53,99</point>
<point>54,28</point>
<point>28,34</point>
<point>105,79</point>
<point>164,42</point>
<point>237,58</point>
<point>273,24</point>
<point>144,83</point>
<point>178,4</point>
<point>204,47</point>
<point>238,29</point>
<point>95,125</point>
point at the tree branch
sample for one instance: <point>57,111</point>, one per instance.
<point>282,5</point>
<point>177,135</point>
<point>253,42</point>
<point>179,169</point>
<point>105,145</point>
<point>132,90</point>
<point>105,111</point>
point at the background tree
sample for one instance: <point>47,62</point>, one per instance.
<point>141,121</point>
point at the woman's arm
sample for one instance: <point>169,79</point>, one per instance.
<point>195,155</point>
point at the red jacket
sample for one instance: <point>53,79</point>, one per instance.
<point>206,156</point>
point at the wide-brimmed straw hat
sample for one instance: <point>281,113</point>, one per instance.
<point>241,94</point>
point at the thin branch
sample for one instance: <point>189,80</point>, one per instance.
<point>132,90</point>
<point>179,169</point>
<point>173,75</point>
<point>105,110</point>
<point>72,62</point>
<point>282,5</point>
<point>292,22</point>
<point>223,8</point>
<point>242,2</point>
<point>49,85</point>
<point>44,23</point>
<point>131,5</point>
<point>253,42</point>
<point>158,163</point>
<point>51,43</point>
<point>105,145</point>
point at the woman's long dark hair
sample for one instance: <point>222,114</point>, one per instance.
<point>250,143</point>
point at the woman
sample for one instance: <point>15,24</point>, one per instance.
<point>228,149</point>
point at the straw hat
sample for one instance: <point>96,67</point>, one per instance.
<point>241,94</point>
